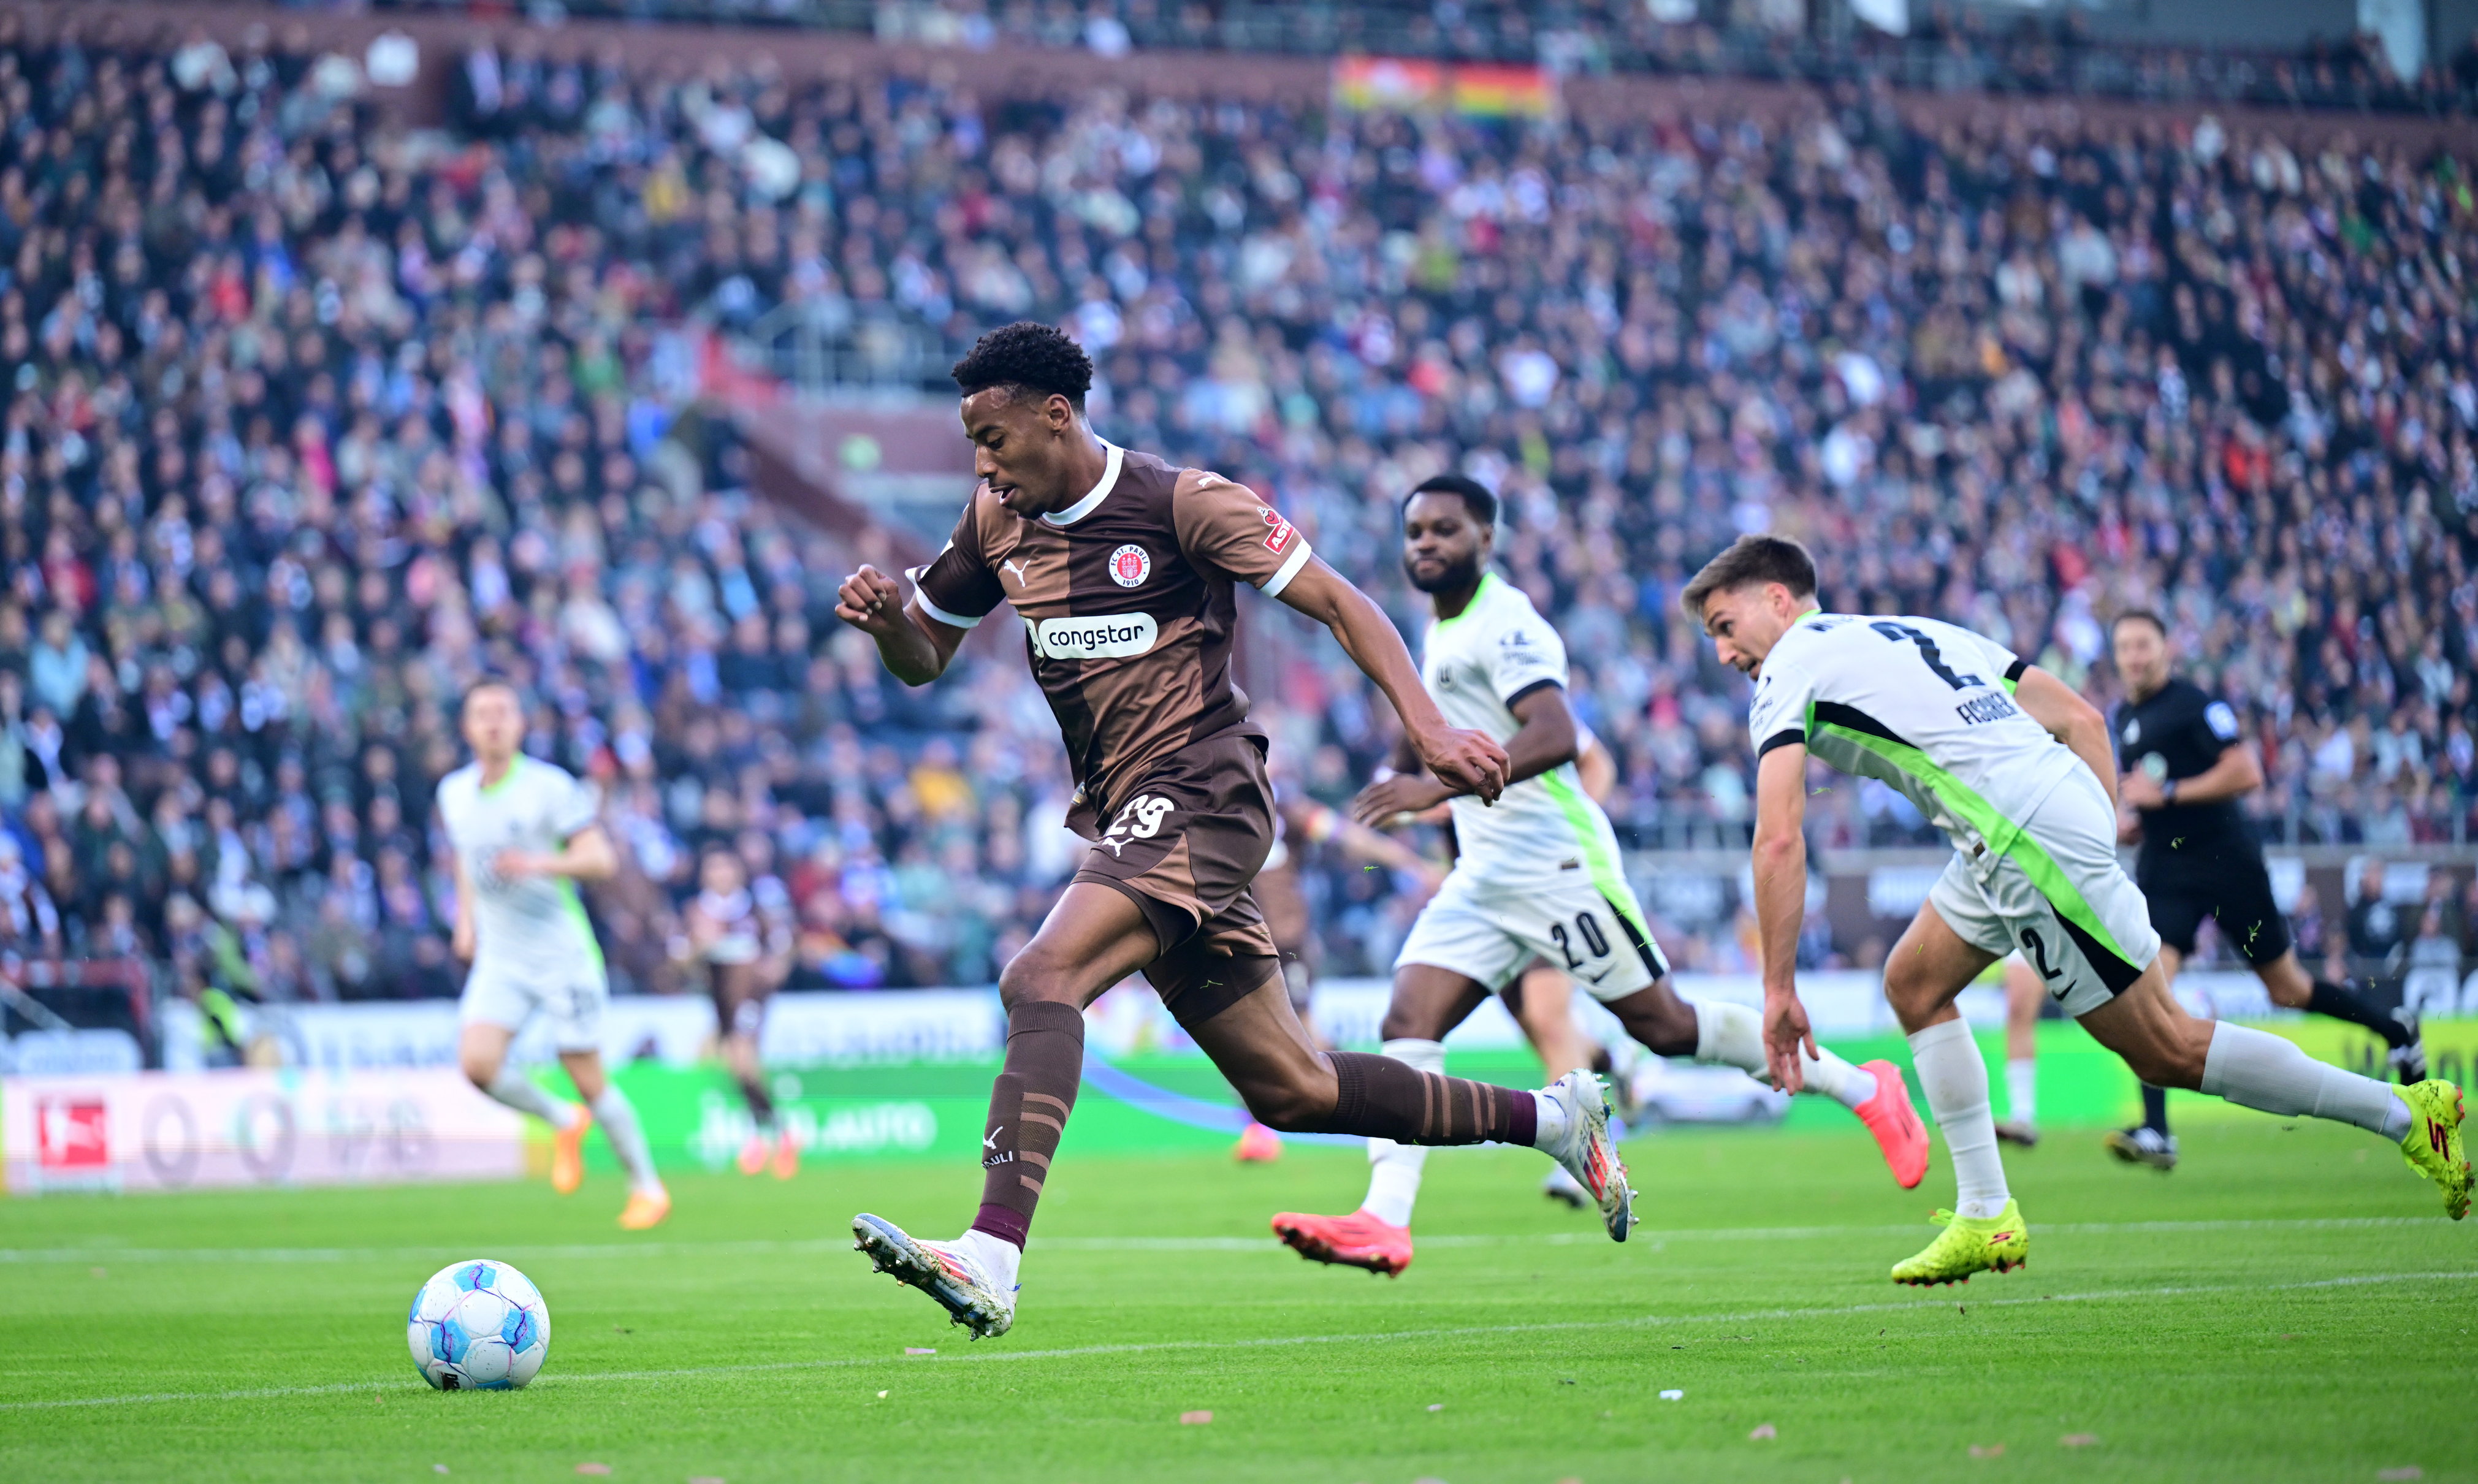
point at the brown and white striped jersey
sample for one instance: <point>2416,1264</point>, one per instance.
<point>1125,597</point>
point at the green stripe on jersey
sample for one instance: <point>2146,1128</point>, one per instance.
<point>1591,838</point>
<point>574,906</point>
<point>2003,835</point>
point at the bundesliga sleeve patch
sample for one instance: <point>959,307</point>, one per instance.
<point>1279,537</point>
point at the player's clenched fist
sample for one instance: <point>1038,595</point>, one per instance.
<point>868,600</point>
<point>1466,760</point>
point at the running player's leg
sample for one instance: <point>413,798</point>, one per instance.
<point>1427,1002</point>
<point>2150,1143</point>
<point>738,1014</point>
<point>1542,1000</point>
<point>1264,1052</point>
<point>2178,896</point>
<point>1944,949</point>
<point>1723,1034</point>
<point>482,1051</point>
<point>1460,949</point>
<point>2251,921</point>
<point>1457,954</point>
<point>1278,894</point>
<point>2169,1048</point>
<point>576,1026</point>
<point>493,1008</point>
<point>1094,936</point>
<point>2285,980</point>
<point>2022,999</point>
<point>2101,931</point>
<point>1092,939</point>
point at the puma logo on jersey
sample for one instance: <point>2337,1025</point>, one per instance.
<point>1016,569</point>
<point>990,1140</point>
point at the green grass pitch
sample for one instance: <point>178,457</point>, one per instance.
<point>2288,1306</point>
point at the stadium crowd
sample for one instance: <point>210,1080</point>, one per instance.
<point>310,423</point>
<point>1949,48</point>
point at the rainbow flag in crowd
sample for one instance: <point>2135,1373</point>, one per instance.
<point>1503,91</point>
<point>1409,86</point>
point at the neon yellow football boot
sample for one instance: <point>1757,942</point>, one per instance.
<point>2433,1144</point>
<point>1997,1244</point>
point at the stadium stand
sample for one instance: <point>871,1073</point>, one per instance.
<point>2018,53</point>
<point>312,421</point>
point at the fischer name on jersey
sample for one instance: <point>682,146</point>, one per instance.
<point>1476,666</point>
<point>533,922</point>
<point>1926,707</point>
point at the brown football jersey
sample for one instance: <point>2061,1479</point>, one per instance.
<point>1125,597</point>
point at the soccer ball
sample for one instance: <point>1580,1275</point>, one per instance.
<point>478,1325</point>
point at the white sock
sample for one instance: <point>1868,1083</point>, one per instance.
<point>2259,1069</point>
<point>1733,1035</point>
<point>998,1257</point>
<point>619,1119</point>
<point>1955,1081</point>
<point>1555,1126</point>
<point>1394,1169</point>
<point>518,1091</point>
<point>2022,1089</point>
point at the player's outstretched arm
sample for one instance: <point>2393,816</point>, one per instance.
<point>1545,740</point>
<point>2069,719</point>
<point>1317,822</point>
<point>1781,906</point>
<point>914,647</point>
<point>588,856</point>
<point>2235,774</point>
<point>1468,760</point>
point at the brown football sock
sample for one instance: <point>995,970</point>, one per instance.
<point>761,1106</point>
<point>1029,1108</point>
<point>1383,1098</point>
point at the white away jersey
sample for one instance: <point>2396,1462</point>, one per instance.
<point>534,922</point>
<point>1923,705</point>
<point>1476,666</point>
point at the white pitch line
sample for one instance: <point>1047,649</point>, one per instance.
<point>1285,1342</point>
<point>753,1249</point>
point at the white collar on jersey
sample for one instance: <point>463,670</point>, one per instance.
<point>1113,456</point>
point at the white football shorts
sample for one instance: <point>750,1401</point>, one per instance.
<point>1489,933</point>
<point>572,997</point>
<point>2059,898</point>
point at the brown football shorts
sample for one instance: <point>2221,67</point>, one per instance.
<point>1183,845</point>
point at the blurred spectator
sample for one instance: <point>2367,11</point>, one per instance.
<point>2379,933</point>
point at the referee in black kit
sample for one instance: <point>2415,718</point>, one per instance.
<point>2186,763</point>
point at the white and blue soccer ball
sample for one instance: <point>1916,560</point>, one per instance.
<point>478,1325</point>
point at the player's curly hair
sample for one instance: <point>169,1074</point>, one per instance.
<point>1027,357</point>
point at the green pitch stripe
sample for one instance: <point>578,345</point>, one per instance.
<point>2002,833</point>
